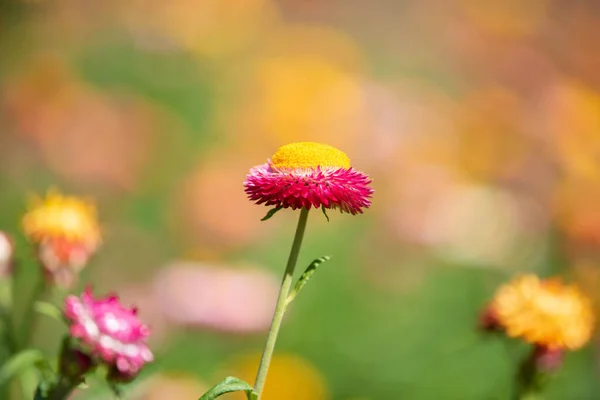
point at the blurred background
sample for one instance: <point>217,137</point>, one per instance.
<point>479,122</point>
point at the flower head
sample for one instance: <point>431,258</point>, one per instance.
<point>109,331</point>
<point>66,233</point>
<point>309,175</point>
<point>6,254</point>
<point>546,313</point>
<point>65,217</point>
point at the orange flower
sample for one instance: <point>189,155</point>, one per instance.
<point>64,217</point>
<point>290,378</point>
<point>546,313</point>
<point>66,232</point>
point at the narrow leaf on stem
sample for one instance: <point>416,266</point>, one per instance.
<point>271,212</point>
<point>116,391</point>
<point>325,212</point>
<point>49,310</point>
<point>305,277</point>
<point>228,385</point>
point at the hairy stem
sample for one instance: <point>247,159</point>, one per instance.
<point>281,306</point>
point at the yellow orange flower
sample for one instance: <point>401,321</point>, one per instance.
<point>290,377</point>
<point>66,233</point>
<point>62,217</point>
<point>546,313</point>
<point>510,18</point>
<point>306,84</point>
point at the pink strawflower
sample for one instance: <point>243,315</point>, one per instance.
<point>309,175</point>
<point>110,331</point>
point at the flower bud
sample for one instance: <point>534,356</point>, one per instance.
<point>488,320</point>
<point>548,360</point>
<point>114,375</point>
<point>74,363</point>
<point>62,261</point>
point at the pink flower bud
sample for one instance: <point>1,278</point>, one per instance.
<point>62,260</point>
<point>75,364</point>
<point>548,359</point>
<point>488,320</point>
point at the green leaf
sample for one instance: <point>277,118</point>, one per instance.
<point>40,393</point>
<point>49,310</point>
<point>305,277</point>
<point>325,212</point>
<point>96,387</point>
<point>271,212</point>
<point>28,379</point>
<point>116,390</point>
<point>19,363</point>
<point>45,370</point>
<point>228,385</point>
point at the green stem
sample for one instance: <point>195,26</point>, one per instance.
<point>27,324</point>
<point>60,391</point>
<point>6,290</point>
<point>529,383</point>
<point>281,306</point>
<point>9,333</point>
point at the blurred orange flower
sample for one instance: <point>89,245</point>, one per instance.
<point>512,18</point>
<point>66,233</point>
<point>216,184</point>
<point>82,133</point>
<point>577,212</point>
<point>546,313</point>
<point>572,119</point>
<point>570,112</point>
<point>67,217</point>
<point>304,86</point>
<point>290,378</point>
<point>489,140</point>
<point>212,28</point>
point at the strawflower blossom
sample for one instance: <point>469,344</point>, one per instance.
<point>307,174</point>
<point>6,254</point>
<point>109,331</point>
<point>546,313</point>
<point>66,232</point>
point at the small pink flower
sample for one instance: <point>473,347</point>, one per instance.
<point>6,254</point>
<point>305,175</point>
<point>110,331</point>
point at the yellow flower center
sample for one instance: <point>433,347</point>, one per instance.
<point>309,155</point>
